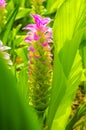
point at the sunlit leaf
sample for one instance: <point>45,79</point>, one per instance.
<point>23,12</point>
<point>68,21</point>
<point>53,5</point>
<point>8,26</point>
<point>68,32</point>
<point>14,113</point>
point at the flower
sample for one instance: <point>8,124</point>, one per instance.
<point>39,38</point>
<point>39,31</point>
<point>2,3</point>
<point>5,54</point>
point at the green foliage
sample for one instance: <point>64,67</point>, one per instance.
<point>83,55</point>
<point>69,64</point>
<point>68,32</point>
<point>23,12</point>
<point>53,5</point>
<point>17,2</point>
<point>22,74</point>
<point>23,83</point>
<point>7,28</point>
<point>14,113</point>
<point>80,112</point>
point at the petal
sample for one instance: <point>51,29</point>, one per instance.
<point>10,62</point>
<point>1,43</point>
<point>5,48</point>
<point>48,35</point>
<point>6,55</point>
<point>31,27</point>
<point>36,17</point>
<point>50,41</point>
<point>30,33</point>
<point>46,21</point>
<point>28,39</point>
<point>38,20</point>
<point>36,37</point>
<point>2,3</point>
<point>49,30</point>
<point>31,48</point>
<point>45,44</point>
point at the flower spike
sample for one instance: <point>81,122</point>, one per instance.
<point>39,38</point>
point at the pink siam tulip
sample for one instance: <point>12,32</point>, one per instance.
<point>2,3</point>
<point>39,32</point>
<point>39,38</point>
<point>5,55</point>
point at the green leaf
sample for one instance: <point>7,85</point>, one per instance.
<point>68,32</point>
<point>8,26</point>
<point>14,113</point>
<point>83,55</point>
<point>23,82</point>
<point>53,5</point>
<point>80,112</point>
<point>17,2</point>
<point>58,90</point>
<point>23,12</point>
<point>68,21</point>
<point>68,52</point>
<point>22,53</point>
<point>63,93</point>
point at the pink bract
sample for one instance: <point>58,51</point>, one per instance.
<point>39,33</point>
<point>2,3</point>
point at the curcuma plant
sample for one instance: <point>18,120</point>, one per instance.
<point>39,38</point>
<point>48,64</point>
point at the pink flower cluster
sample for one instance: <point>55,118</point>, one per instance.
<point>2,3</point>
<point>39,32</point>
